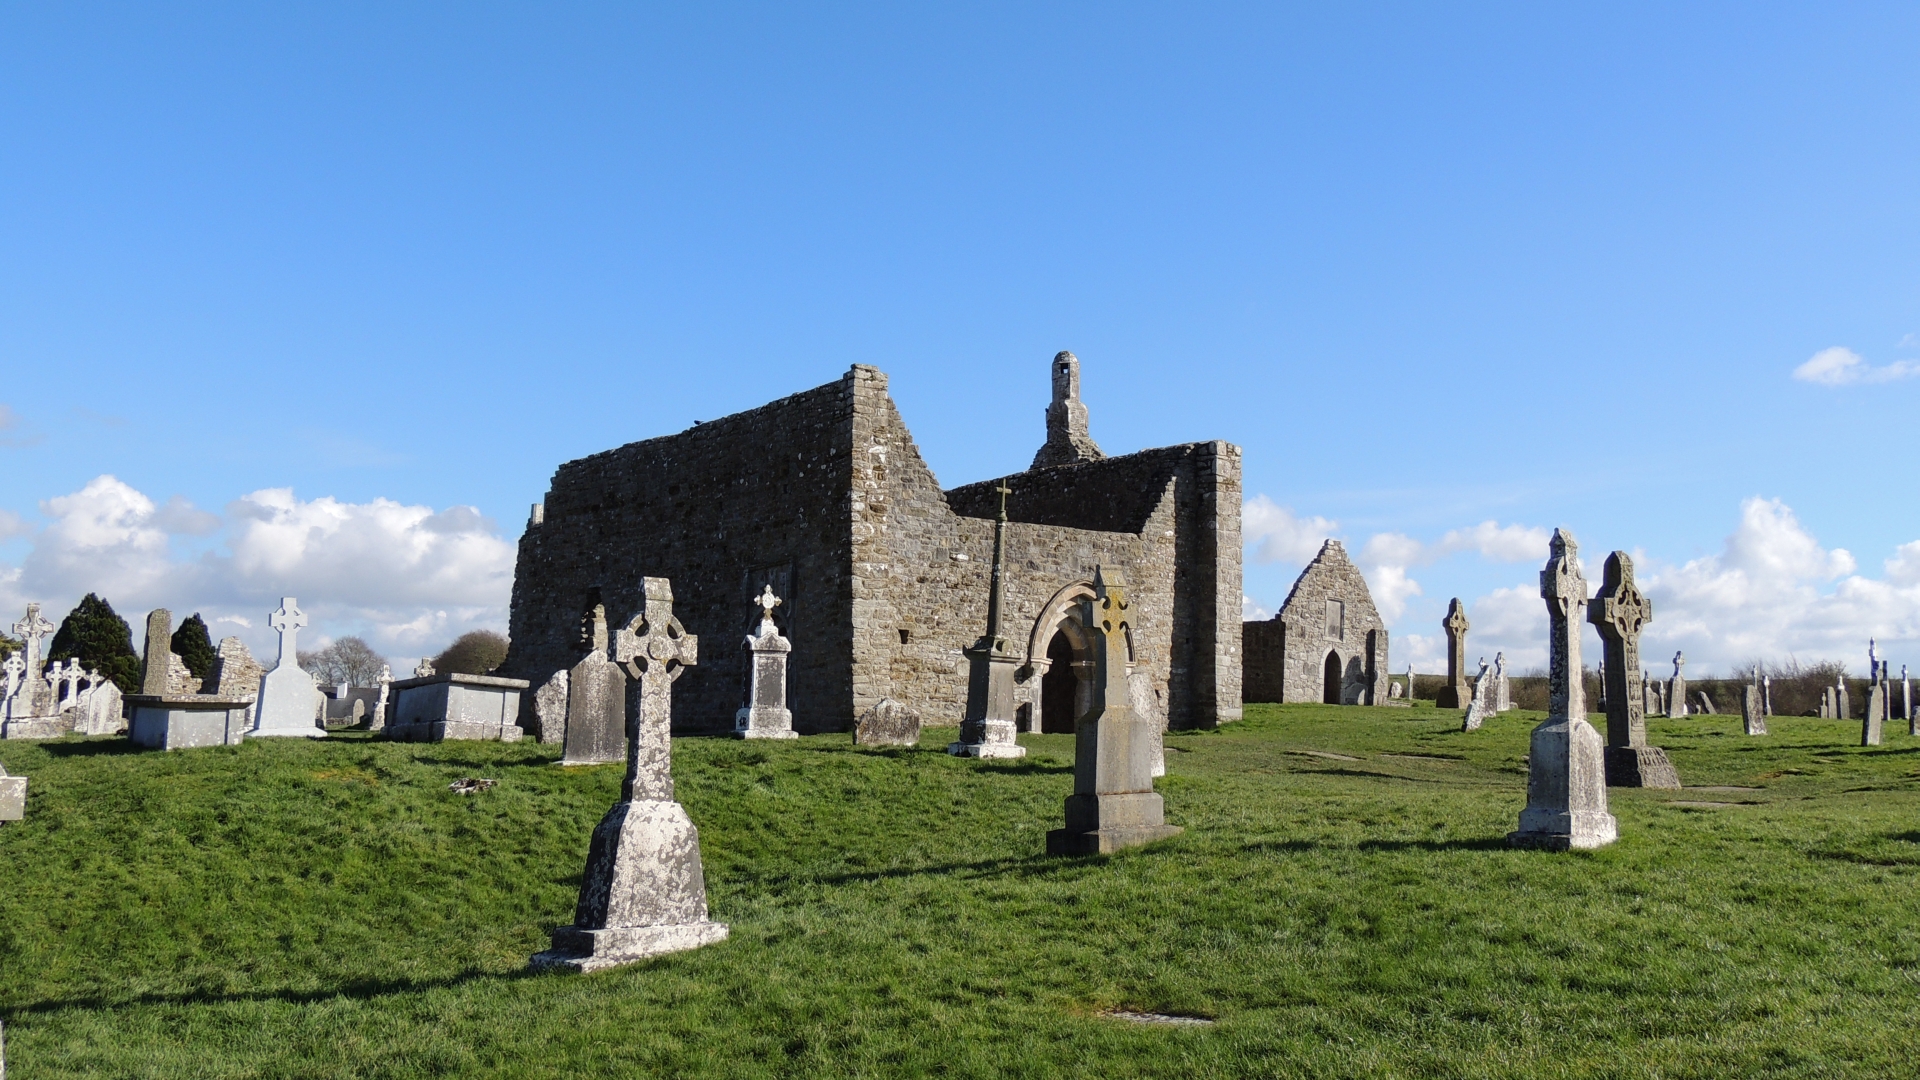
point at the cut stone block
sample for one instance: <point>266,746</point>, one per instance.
<point>186,721</point>
<point>456,707</point>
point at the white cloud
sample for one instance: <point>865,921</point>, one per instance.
<point>1771,592</point>
<point>1252,612</point>
<point>1276,535</point>
<point>405,577</point>
<point>1839,366</point>
<point>1501,543</point>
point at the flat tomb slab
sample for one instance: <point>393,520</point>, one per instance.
<point>458,707</point>
<point>186,721</point>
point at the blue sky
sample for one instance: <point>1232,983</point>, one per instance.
<point>1432,266</point>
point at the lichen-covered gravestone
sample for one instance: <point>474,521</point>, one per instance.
<point>596,700</point>
<point>766,715</point>
<point>1454,694</point>
<point>1620,612</point>
<point>1677,688</point>
<point>13,796</point>
<point>1753,711</point>
<point>1113,804</point>
<point>1481,704</point>
<point>887,723</point>
<point>644,892</point>
<point>1566,770</point>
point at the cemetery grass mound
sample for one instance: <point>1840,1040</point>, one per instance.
<point>1342,904</point>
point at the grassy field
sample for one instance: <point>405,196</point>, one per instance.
<point>1342,904</point>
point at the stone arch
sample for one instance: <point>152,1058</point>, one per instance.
<point>1332,679</point>
<point>1058,636</point>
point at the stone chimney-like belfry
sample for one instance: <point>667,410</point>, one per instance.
<point>1068,440</point>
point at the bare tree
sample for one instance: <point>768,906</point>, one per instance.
<point>347,660</point>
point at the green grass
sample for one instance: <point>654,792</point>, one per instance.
<point>296,909</point>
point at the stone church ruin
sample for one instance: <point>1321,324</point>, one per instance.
<point>1326,644</point>
<point>824,497</point>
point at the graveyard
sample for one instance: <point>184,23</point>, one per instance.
<point>1342,901</point>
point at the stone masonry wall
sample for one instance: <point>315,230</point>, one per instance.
<point>1184,504</point>
<point>717,508</point>
<point>825,493</point>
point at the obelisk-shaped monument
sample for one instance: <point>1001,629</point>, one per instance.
<point>988,728</point>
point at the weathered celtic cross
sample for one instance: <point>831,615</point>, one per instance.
<point>1455,693</point>
<point>1566,769</point>
<point>655,649</point>
<point>36,689</point>
<point>1620,613</point>
<point>644,892</point>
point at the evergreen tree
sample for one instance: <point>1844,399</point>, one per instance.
<point>9,646</point>
<point>102,640</point>
<point>195,646</point>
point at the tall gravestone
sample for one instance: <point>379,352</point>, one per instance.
<point>1677,687</point>
<point>288,695</point>
<point>1502,689</point>
<point>1620,612</point>
<point>1113,804</point>
<point>1766,693</point>
<point>644,892</point>
<point>990,724</point>
<point>766,715</point>
<point>596,699</point>
<point>380,705</point>
<point>156,660</point>
<point>1480,706</point>
<point>1454,694</point>
<point>1842,708</point>
<point>1566,760</point>
<point>1753,707</point>
<point>1874,721</point>
<point>32,694</point>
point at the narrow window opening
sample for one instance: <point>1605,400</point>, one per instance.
<point>904,635</point>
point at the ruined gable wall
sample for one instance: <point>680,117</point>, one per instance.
<point>921,568</point>
<point>1183,498</point>
<point>1303,622</point>
<point>762,489</point>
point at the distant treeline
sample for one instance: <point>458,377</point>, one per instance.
<point>1796,689</point>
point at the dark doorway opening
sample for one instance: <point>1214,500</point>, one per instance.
<point>1058,688</point>
<point>1330,694</point>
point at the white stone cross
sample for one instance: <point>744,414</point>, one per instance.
<point>767,603</point>
<point>288,621</point>
<point>423,669</point>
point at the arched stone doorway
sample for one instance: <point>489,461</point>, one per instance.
<point>1331,680</point>
<point>1059,690</point>
<point>1060,652</point>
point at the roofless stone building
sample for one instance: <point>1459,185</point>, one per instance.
<point>1327,643</point>
<point>824,496</point>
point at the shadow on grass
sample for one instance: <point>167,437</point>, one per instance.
<point>92,748</point>
<point>535,763</point>
<point>1484,843</point>
<point>1368,774</point>
<point>357,989</point>
<point>1025,866</point>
